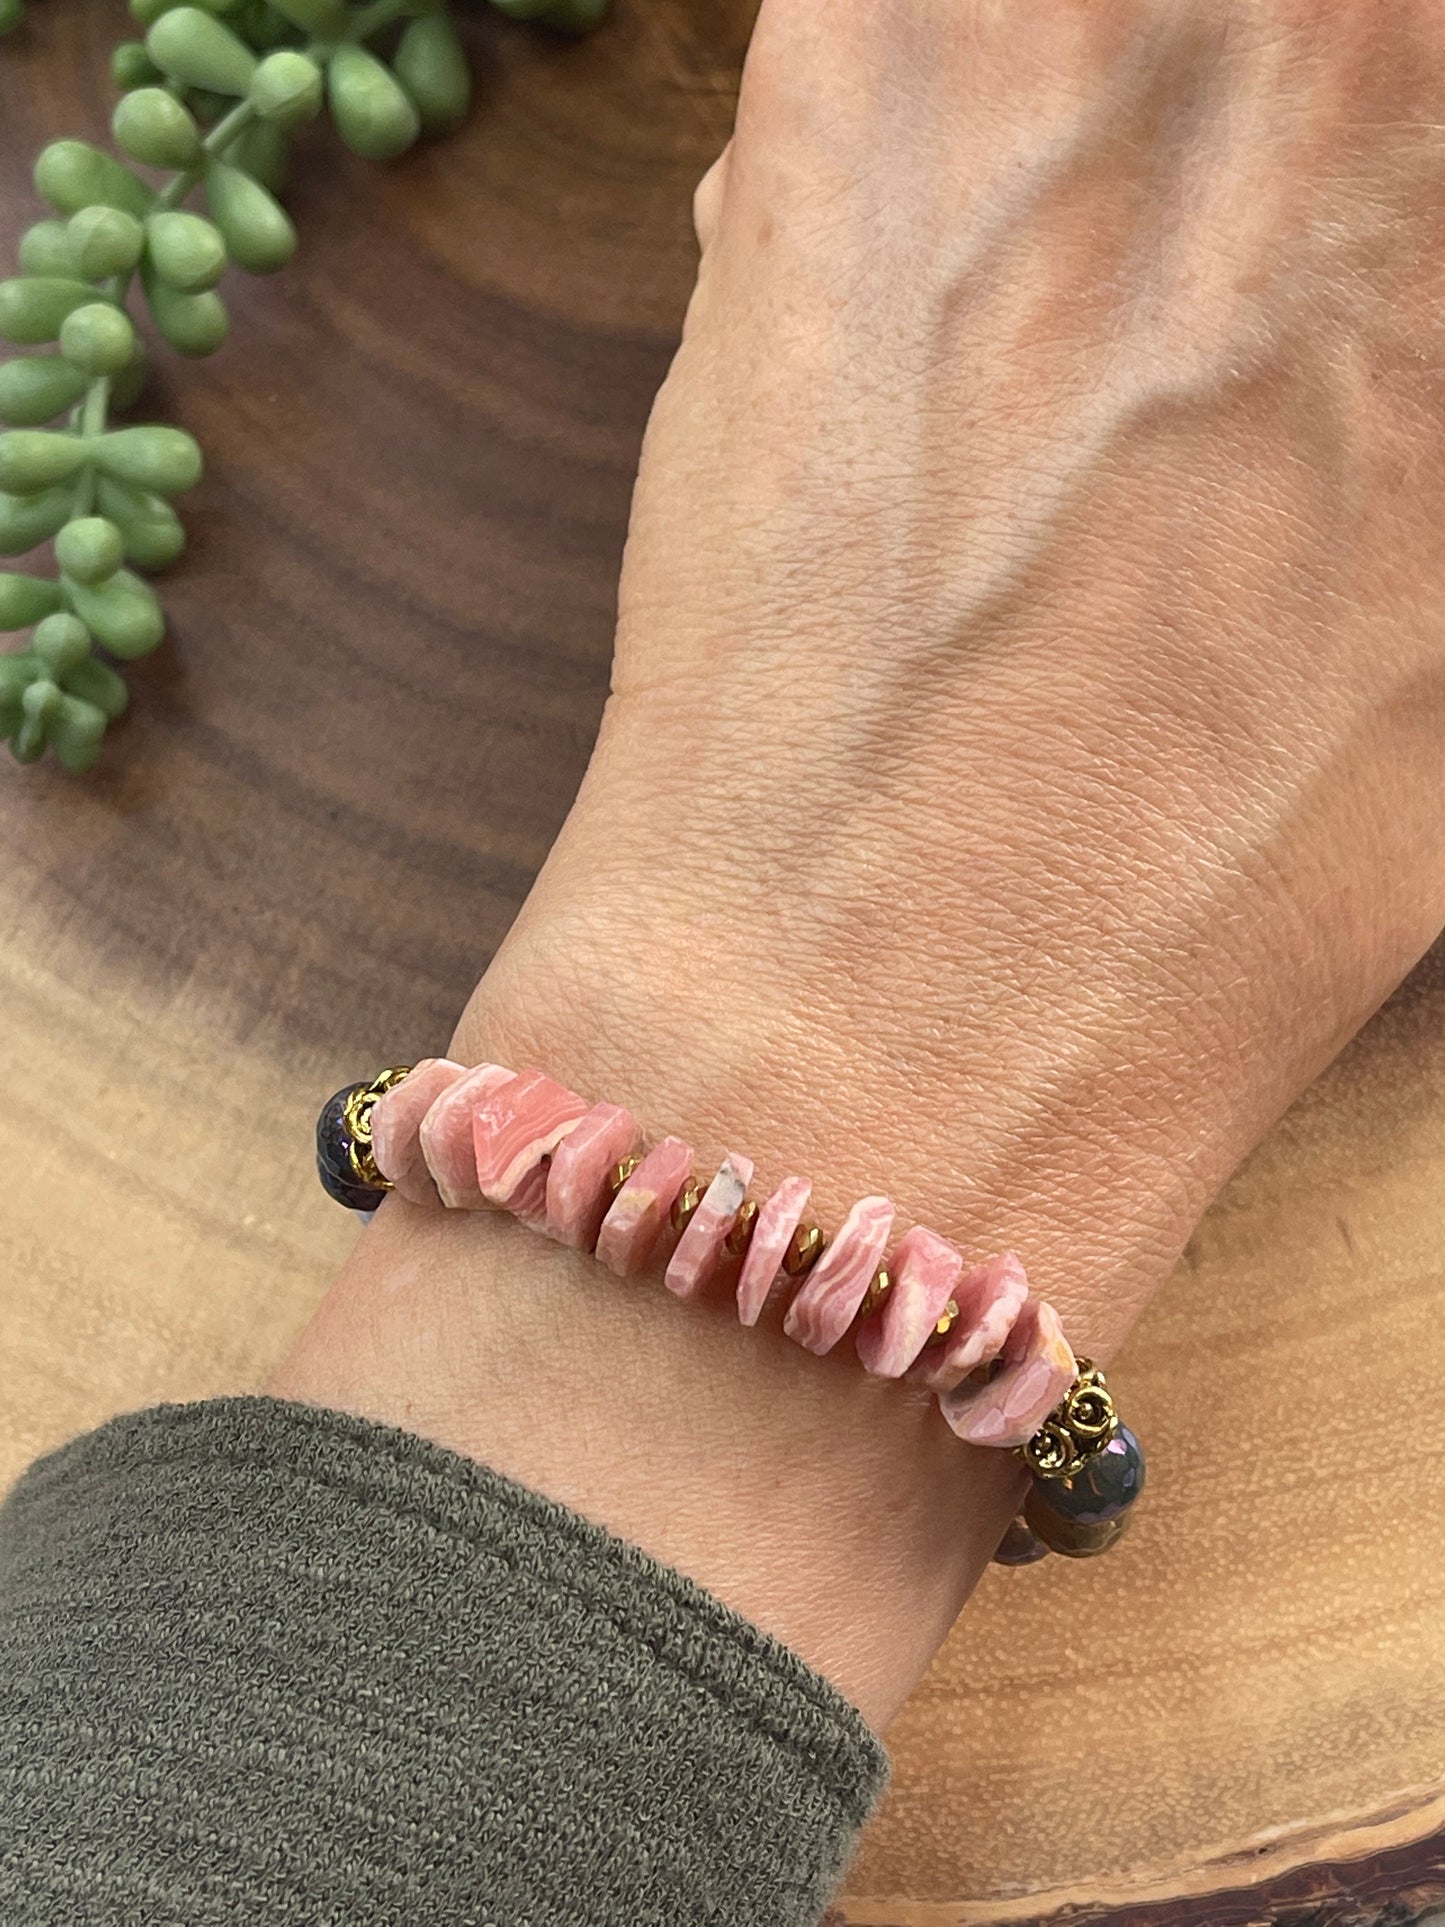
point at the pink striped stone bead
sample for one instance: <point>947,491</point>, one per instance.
<point>828,1300</point>
<point>698,1250</point>
<point>1038,1368</point>
<point>925,1268</point>
<point>396,1120</point>
<point>989,1297</point>
<point>515,1130</point>
<point>633,1224</point>
<point>577,1187</point>
<point>446,1136</point>
<point>775,1224</point>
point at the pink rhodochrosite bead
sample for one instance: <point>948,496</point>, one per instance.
<point>1038,1368</point>
<point>515,1130</point>
<point>698,1249</point>
<point>577,1193</point>
<point>989,1297</point>
<point>776,1222</point>
<point>396,1120</point>
<point>633,1224</point>
<point>925,1268</point>
<point>830,1295</point>
<point>446,1136</point>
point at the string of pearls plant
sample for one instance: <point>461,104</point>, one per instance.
<point>206,104</point>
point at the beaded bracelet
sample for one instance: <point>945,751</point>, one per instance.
<point>439,1133</point>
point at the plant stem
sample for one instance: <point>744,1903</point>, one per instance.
<point>91,417</point>
<point>372,19</point>
<point>93,413</point>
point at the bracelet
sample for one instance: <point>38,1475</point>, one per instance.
<point>439,1133</point>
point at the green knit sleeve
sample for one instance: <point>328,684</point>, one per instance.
<point>260,1662</point>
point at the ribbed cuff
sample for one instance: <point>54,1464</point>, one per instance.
<point>264,1662</point>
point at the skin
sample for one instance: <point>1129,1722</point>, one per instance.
<point>1021,774</point>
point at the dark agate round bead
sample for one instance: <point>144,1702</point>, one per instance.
<point>333,1158</point>
<point>1019,1547</point>
<point>1108,1485</point>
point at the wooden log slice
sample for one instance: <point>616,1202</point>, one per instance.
<point>388,653</point>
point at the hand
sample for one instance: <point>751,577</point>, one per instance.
<point>1021,773</point>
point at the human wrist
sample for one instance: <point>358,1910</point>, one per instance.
<point>701,1034</point>
<point>836,1511</point>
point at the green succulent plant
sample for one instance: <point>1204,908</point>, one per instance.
<point>208,98</point>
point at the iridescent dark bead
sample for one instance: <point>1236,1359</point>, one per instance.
<point>1108,1485</point>
<point>1019,1547</point>
<point>333,1158</point>
<point>1069,1536</point>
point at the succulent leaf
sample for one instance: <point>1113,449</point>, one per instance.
<point>256,228</point>
<point>431,64</point>
<point>33,306</point>
<point>167,460</point>
<point>34,389</point>
<point>369,106</point>
<point>152,126</point>
<point>194,48</point>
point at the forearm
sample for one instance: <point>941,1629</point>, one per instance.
<point>1020,776</point>
<point>835,1511</point>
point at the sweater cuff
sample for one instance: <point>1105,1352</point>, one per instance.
<point>260,1661</point>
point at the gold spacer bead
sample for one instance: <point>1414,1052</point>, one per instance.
<point>948,1318</point>
<point>621,1172</point>
<point>741,1235</point>
<point>356,1116</point>
<point>879,1287</point>
<point>1080,1425</point>
<point>685,1204</point>
<point>805,1248</point>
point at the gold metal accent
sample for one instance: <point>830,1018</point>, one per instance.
<point>356,1116</point>
<point>741,1235</point>
<point>1081,1424</point>
<point>805,1248</point>
<point>685,1204</point>
<point>622,1171</point>
<point>947,1319</point>
<point>879,1287</point>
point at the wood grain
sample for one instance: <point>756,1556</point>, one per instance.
<point>389,651</point>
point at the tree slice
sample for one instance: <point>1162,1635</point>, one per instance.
<point>323,812</point>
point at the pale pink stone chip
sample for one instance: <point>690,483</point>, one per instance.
<point>1038,1368</point>
<point>925,1268</point>
<point>989,1297</point>
<point>775,1224</point>
<point>515,1130</point>
<point>446,1136</point>
<point>396,1120</point>
<point>698,1250</point>
<point>577,1189</point>
<point>633,1225</point>
<point>828,1300</point>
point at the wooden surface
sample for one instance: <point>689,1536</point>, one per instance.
<point>389,652</point>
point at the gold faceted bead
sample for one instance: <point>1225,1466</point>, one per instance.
<point>621,1172</point>
<point>805,1248</point>
<point>741,1235</point>
<point>685,1203</point>
<point>947,1319</point>
<point>878,1289</point>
